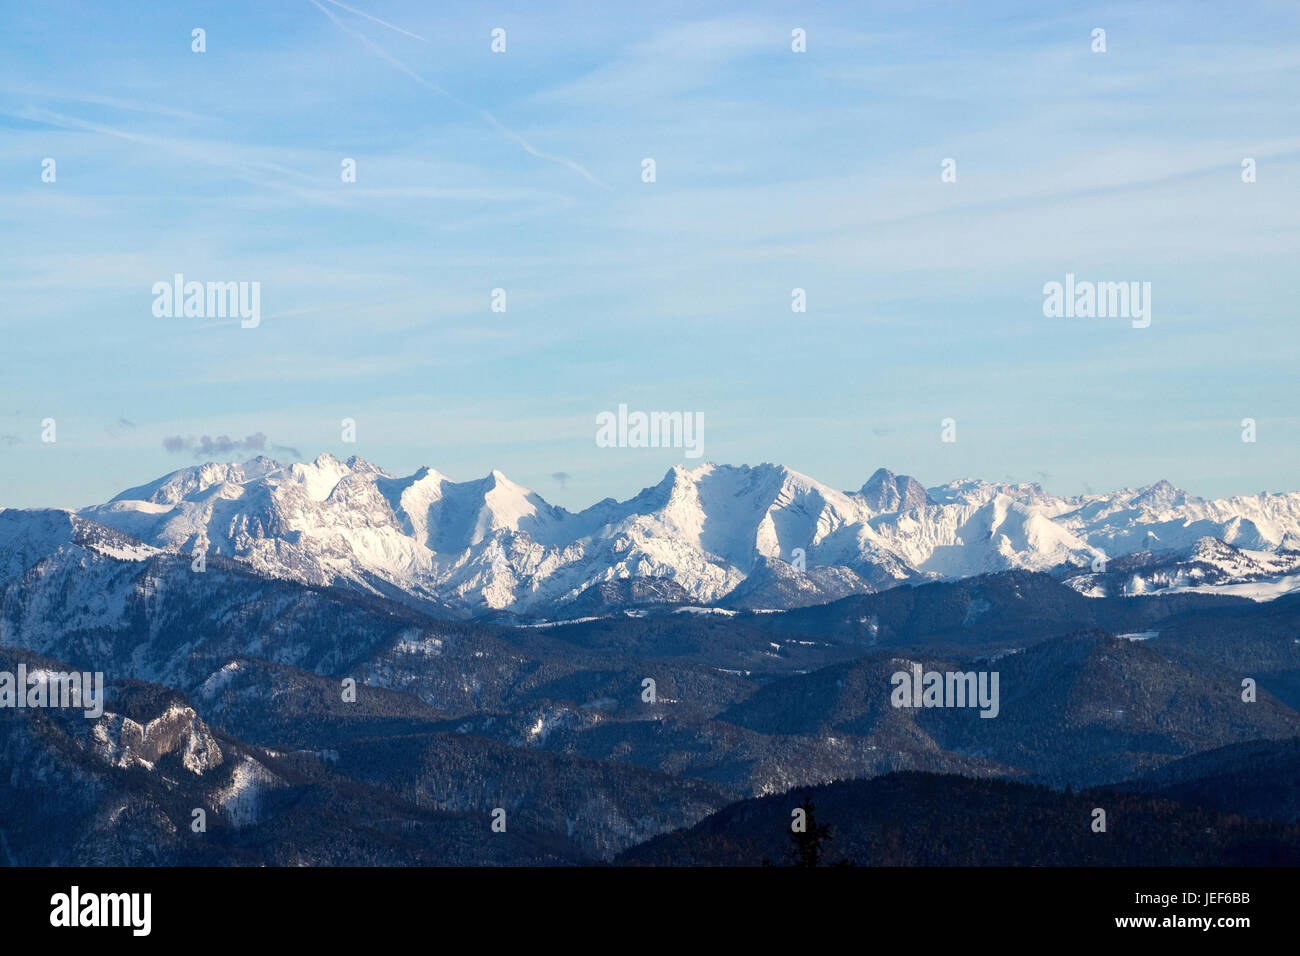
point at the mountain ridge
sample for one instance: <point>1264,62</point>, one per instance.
<point>767,532</point>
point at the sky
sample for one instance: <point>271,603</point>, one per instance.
<point>522,170</point>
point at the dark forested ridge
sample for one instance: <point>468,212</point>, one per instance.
<point>918,819</point>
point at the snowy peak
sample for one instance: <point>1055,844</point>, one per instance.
<point>319,478</point>
<point>887,493</point>
<point>741,512</point>
<point>1161,497</point>
<point>187,482</point>
<point>976,491</point>
<point>507,506</point>
<point>358,464</point>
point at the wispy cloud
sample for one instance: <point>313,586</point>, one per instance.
<point>113,103</point>
<point>256,172</point>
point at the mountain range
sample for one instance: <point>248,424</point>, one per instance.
<point>224,671</point>
<point>738,537</point>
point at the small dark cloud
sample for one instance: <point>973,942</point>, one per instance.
<point>120,423</point>
<point>223,446</point>
<point>881,430</point>
<point>1043,475</point>
<point>9,439</point>
<point>562,477</point>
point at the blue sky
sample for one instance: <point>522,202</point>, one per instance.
<point>775,170</point>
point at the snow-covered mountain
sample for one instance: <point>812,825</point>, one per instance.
<point>761,536</point>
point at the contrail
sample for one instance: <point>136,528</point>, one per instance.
<point>429,85</point>
<point>362,13</point>
<point>533,150</point>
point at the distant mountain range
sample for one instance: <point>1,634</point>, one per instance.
<point>717,535</point>
<point>224,682</point>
